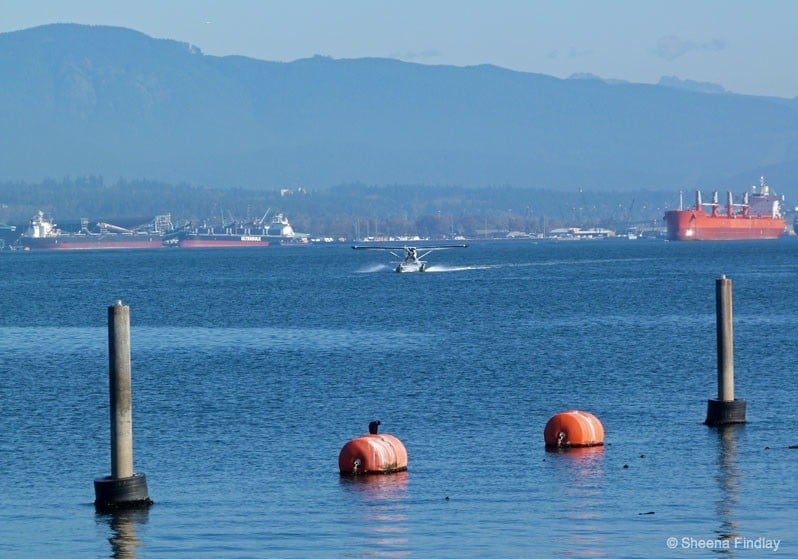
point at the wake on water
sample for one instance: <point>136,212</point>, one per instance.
<point>374,268</point>
<point>439,268</point>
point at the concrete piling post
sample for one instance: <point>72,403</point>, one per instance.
<point>725,336</point>
<point>726,409</point>
<point>123,488</point>
<point>120,391</point>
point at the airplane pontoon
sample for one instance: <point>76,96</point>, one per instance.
<point>410,260</point>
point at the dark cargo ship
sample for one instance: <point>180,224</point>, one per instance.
<point>240,235</point>
<point>43,234</point>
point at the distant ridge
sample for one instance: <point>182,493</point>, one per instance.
<point>79,100</point>
<point>690,85</point>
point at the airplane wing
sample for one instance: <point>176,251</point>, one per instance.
<point>395,250</point>
<point>427,248</point>
<point>376,248</point>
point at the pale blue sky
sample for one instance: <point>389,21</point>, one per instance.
<point>745,46</point>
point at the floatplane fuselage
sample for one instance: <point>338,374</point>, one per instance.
<point>409,258</point>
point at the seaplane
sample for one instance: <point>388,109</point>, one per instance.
<point>410,258</point>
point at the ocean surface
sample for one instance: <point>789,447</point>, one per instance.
<point>252,369</point>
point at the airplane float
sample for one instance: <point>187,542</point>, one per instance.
<point>411,261</point>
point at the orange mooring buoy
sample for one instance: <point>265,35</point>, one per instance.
<point>573,428</point>
<point>372,454</point>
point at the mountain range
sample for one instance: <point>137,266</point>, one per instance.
<point>82,100</point>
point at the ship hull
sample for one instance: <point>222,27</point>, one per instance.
<point>104,242</point>
<point>224,241</point>
<point>693,225</point>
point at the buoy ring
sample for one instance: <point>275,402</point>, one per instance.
<point>573,429</point>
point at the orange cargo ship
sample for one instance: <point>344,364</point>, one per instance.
<point>757,216</point>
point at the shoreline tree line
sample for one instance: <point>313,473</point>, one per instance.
<point>347,210</point>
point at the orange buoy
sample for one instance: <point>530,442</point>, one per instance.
<point>372,454</point>
<point>573,428</point>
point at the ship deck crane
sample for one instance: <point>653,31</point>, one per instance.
<point>109,227</point>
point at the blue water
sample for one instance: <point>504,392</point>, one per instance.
<point>251,369</point>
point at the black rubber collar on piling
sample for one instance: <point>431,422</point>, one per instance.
<point>121,493</point>
<point>723,412</point>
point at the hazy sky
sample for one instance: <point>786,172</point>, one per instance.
<point>745,46</point>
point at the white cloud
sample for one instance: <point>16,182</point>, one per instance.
<point>672,47</point>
